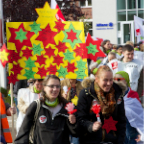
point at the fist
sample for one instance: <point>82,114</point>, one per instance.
<point>96,126</point>
<point>72,119</point>
<point>12,110</point>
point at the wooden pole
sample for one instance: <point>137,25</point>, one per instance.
<point>12,116</point>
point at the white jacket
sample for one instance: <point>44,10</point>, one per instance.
<point>25,97</point>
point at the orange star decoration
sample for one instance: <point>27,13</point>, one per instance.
<point>109,124</point>
<point>46,14</point>
<point>4,55</point>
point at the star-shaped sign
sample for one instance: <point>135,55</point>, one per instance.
<point>59,26</point>
<point>62,72</point>
<point>30,63</point>
<point>37,49</point>
<point>52,69</point>
<point>61,47</point>
<point>4,55</point>
<point>42,72</point>
<point>35,27</point>
<point>46,14</point>
<point>109,124</point>
<point>58,60</point>
<point>27,53</point>
<point>16,69</point>
<point>49,51</point>
<point>20,37</point>
<point>41,60</point>
<point>13,56</point>
<point>29,74</point>
<point>79,51</point>
<point>92,49</point>
<point>81,64</point>
<point>75,36</point>
<point>47,36</point>
<point>68,55</point>
<point>80,73</point>
<point>71,67</point>
<point>12,78</point>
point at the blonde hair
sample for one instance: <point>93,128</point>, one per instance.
<point>130,43</point>
<point>112,53</point>
<point>103,68</point>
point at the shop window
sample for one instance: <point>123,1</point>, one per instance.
<point>119,40</point>
<point>131,15</point>
<point>82,3</point>
<point>121,4</point>
<point>89,2</point>
<point>131,4</point>
<point>141,14</point>
<point>140,3</point>
<point>86,3</point>
<point>121,16</point>
<point>118,26</point>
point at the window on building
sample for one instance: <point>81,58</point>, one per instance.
<point>86,3</point>
<point>131,15</point>
<point>131,4</point>
<point>141,14</point>
<point>122,16</point>
<point>140,3</point>
<point>121,4</point>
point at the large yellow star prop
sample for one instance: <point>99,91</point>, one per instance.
<point>4,56</point>
<point>46,14</point>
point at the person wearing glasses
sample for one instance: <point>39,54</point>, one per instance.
<point>105,93</point>
<point>133,110</point>
<point>25,97</point>
<point>53,124</point>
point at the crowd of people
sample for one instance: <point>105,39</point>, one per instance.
<point>115,83</point>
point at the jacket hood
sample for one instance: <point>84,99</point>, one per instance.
<point>87,82</point>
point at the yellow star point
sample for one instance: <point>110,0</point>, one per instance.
<point>4,56</point>
<point>46,13</point>
<point>75,100</point>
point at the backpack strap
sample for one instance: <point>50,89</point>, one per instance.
<point>31,134</point>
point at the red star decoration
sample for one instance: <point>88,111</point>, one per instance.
<point>71,35</point>
<point>41,60</point>
<point>61,47</point>
<point>19,44</point>
<point>49,52</point>
<point>58,60</point>
<point>47,36</point>
<point>59,26</point>
<point>109,124</point>
<point>16,69</point>
<point>4,62</point>
<point>13,56</point>
<point>27,53</point>
<point>97,43</point>
<point>42,72</point>
<point>12,78</point>
<point>71,67</point>
<point>52,69</point>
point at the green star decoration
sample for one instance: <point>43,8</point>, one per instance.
<point>92,49</point>
<point>37,49</point>
<point>80,74</point>
<point>29,74</point>
<point>35,27</point>
<point>68,55</point>
<point>29,63</point>
<point>77,35</point>
<point>62,72</point>
<point>81,64</point>
<point>21,35</point>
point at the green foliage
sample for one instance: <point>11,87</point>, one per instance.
<point>3,91</point>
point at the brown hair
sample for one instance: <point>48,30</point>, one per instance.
<point>103,43</point>
<point>128,48</point>
<point>101,69</point>
<point>60,98</point>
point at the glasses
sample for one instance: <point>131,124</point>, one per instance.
<point>52,86</point>
<point>119,79</point>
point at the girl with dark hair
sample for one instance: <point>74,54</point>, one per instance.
<point>53,124</point>
<point>106,46</point>
<point>108,95</point>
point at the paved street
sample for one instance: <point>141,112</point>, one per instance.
<point>10,124</point>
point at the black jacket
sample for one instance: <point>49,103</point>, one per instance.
<point>54,131</point>
<point>86,118</point>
